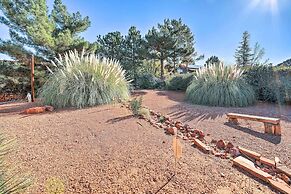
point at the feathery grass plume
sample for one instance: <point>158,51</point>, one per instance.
<point>220,85</point>
<point>83,80</point>
<point>10,182</point>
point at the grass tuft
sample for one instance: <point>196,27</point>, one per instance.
<point>220,85</point>
<point>83,80</point>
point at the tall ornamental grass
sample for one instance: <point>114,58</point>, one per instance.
<point>82,80</point>
<point>220,85</point>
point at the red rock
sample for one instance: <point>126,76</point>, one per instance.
<point>171,130</point>
<point>280,185</point>
<point>250,153</point>
<point>201,135</point>
<point>229,145</point>
<point>34,110</point>
<point>285,178</point>
<point>220,144</point>
<point>234,152</point>
<point>213,141</point>
<point>284,169</point>
<point>201,145</point>
<point>267,162</point>
<point>249,166</point>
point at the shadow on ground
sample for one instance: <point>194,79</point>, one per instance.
<point>118,119</point>
<point>267,137</point>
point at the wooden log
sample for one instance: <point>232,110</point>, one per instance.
<point>249,153</point>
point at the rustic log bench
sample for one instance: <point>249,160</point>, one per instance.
<point>272,125</point>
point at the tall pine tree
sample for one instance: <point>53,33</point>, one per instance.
<point>111,45</point>
<point>133,52</point>
<point>33,30</point>
<point>243,54</point>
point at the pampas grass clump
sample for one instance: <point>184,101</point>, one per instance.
<point>220,85</point>
<point>82,80</point>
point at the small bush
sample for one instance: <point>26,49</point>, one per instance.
<point>135,106</point>
<point>270,84</point>
<point>84,80</point>
<point>145,113</point>
<point>179,82</point>
<point>148,81</point>
<point>220,85</point>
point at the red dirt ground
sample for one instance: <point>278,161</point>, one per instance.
<point>105,150</point>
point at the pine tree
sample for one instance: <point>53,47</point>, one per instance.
<point>33,30</point>
<point>243,54</point>
<point>183,51</point>
<point>159,44</point>
<point>213,60</point>
<point>111,45</point>
<point>133,52</point>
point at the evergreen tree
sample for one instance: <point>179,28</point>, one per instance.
<point>243,54</point>
<point>183,51</point>
<point>212,60</point>
<point>133,52</point>
<point>33,29</point>
<point>159,44</point>
<point>111,45</point>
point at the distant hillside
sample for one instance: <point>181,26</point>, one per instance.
<point>285,63</point>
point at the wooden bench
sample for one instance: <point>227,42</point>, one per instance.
<point>272,125</point>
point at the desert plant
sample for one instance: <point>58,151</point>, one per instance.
<point>135,106</point>
<point>10,182</point>
<point>179,82</point>
<point>82,80</point>
<point>220,85</point>
<point>145,113</point>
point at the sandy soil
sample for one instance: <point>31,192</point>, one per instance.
<point>105,150</point>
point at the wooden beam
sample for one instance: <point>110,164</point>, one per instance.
<point>32,78</point>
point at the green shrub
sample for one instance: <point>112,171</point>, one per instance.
<point>179,82</point>
<point>135,106</point>
<point>271,84</point>
<point>145,113</point>
<point>220,85</point>
<point>148,81</point>
<point>82,80</point>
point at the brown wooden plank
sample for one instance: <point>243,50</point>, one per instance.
<point>254,118</point>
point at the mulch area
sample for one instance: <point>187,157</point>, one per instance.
<point>106,150</point>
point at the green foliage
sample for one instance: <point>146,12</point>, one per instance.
<point>135,106</point>
<point>220,86</point>
<point>110,45</point>
<point>271,84</point>
<point>211,61</point>
<point>10,182</point>
<point>33,28</point>
<point>83,80</point>
<point>243,54</point>
<point>133,53</point>
<point>148,81</point>
<point>172,41</point>
<point>179,82</point>
<point>144,112</point>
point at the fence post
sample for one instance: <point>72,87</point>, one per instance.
<point>32,78</point>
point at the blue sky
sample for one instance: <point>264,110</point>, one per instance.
<point>217,24</point>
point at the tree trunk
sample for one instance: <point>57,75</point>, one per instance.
<point>162,68</point>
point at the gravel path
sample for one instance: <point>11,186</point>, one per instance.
<point>105,150</point>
